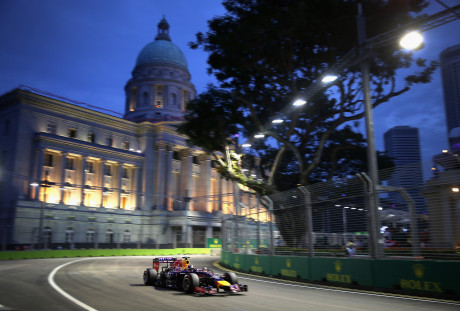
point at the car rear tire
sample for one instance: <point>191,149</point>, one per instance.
<point>231,278</point>
<point>150,276</point>
<point>190,282</point>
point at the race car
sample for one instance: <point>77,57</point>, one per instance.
<point>180,274</point>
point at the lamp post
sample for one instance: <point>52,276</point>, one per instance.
<point>344,220</point>
<point>374,248</point>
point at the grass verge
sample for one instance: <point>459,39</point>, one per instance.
<point>14,255</point>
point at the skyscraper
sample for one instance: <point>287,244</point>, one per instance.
<point>450,72</point>
<point>402,144</point>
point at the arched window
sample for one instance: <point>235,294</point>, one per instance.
<point>174,99</point>
<point>132,101</point>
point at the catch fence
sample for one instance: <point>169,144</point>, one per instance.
<point>414,218</point>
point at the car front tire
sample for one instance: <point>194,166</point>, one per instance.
<point>231,278</point>
<point>190,282</point>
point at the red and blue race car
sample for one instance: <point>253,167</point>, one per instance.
<point>180,274</point>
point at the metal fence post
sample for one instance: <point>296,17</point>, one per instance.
<point>372,215</point>
<point>270,209</point>
<point>308,221</point>
<point>412,215</point>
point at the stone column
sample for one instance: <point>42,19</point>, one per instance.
<point>83,180</point>
<point>189,178</point>
<point>137,189</point>
<point>160,176</point>
<point>169,179</point>
<point>62,179</point>
<point>207,181</point>
<point>39,172</point>
<point>120,172</point>
<point>101,181</point>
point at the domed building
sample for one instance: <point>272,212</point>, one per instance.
<point>77,177</point>
<point>160,85</point>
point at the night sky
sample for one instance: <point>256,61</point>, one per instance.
<point>85,50</point>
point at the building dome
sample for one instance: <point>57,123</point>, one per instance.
<point>161,85</point>
<point>161,51</point>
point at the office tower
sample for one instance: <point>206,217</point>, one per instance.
<point>402,144</point>
<point>450,72</point>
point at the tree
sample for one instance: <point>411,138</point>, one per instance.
<point>265,54</point>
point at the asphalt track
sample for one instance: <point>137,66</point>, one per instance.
<point>115,283</point>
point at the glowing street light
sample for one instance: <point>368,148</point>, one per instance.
<point>277,121</point>
<point>259,136</point>
<point>246,145</point>
<point>299,102</point>
<point>329,78</point>
<point>411,40</point>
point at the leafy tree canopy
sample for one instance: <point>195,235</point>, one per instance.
<point>265,54</point>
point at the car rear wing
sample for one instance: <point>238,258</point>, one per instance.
<point>165,259</point>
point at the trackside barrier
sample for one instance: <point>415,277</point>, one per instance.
<point>424,276</point>
<point>99,253</point>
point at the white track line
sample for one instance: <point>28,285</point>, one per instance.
<point>62,292</point>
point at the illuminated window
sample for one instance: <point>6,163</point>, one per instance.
<point>132,101</point>
<point>159,96</point>
<point>123,203</point>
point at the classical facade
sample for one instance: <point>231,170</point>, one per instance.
<point>73,176</point>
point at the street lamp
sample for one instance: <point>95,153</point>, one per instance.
<point>299,102</point>
<point>329,78</point>
<point>412,40</point>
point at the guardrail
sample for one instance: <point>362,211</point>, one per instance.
<point>421,276</point>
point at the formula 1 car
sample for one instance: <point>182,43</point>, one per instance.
<point>180,274</point>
